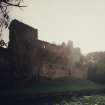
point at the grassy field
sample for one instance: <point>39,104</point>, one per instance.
<point>65,84</point>
<point>61,85</point>
<point>62,91</point>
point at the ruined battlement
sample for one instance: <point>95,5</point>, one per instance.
<point>30,57</point>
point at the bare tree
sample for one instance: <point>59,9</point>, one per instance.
<point>4,4</point>
<point>4,16</point>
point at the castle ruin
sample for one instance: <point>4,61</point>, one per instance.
<point>28,57</point>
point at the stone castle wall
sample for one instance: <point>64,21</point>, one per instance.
<point>32,58</point>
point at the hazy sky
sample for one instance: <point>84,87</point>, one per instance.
<point>82,21</point>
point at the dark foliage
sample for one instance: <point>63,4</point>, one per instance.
<point>96,67</point>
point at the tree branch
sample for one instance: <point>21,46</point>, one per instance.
<point>17,5</point>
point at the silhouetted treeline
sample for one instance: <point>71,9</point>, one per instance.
<point>96,66</point>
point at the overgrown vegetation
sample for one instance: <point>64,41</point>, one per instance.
<point>85,100</point>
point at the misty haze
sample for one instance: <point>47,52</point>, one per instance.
<point>52,52</point>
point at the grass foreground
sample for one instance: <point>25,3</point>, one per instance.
<point>57,86</point>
